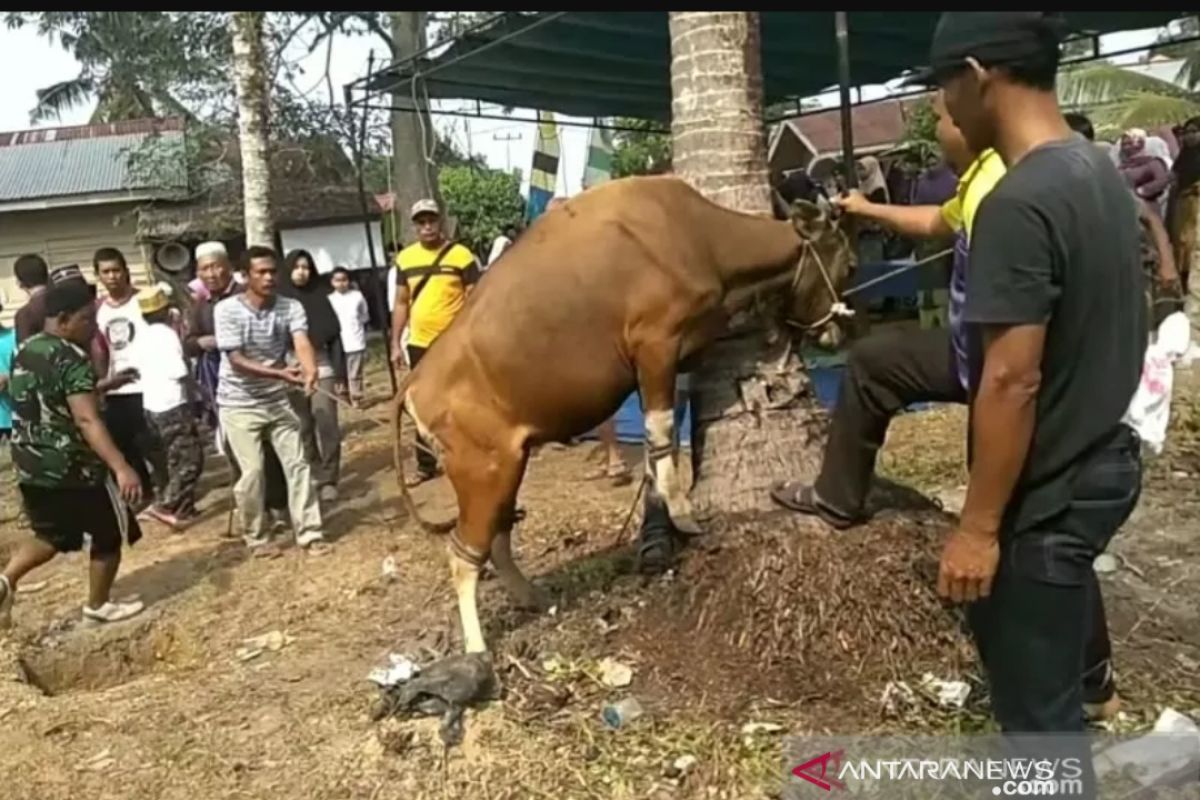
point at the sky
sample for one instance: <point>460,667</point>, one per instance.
<point>29,62</point>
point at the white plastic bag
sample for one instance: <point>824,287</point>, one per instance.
<point>1150,410</point>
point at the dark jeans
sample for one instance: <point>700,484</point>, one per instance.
<point>1044,620</point>
<point>426,461</point>
<point>125,418</point>
<point>884,374</point>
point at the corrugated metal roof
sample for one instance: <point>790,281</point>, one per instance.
<point>61,162</point>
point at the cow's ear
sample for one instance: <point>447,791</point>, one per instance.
<point>809,218</point>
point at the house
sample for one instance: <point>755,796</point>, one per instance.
<point>813,141</point>
<point>315,205</point>
<point>64,192</point>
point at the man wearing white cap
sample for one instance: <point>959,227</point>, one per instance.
<point>437,275</point>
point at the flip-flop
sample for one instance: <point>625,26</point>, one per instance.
<point>800,497</point>
<point>415,480</point>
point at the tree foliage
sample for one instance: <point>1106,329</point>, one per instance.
<point>640,149</point>
<point>484,201</point>
<point>133,64</point>
<point>920,131</point>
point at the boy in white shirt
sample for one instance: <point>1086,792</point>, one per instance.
<point>164,373</point>
<point>351,309</point>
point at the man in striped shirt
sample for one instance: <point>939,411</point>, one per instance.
<point>254,330</point>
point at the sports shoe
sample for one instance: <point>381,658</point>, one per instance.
<point>112,612</point>
<point>6,602</point>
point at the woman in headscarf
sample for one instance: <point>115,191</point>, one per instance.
<point>318,413</point>
<point>871,181</point>
<point>1145,163</point>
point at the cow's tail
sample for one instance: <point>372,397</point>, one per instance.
<point>397,427</point>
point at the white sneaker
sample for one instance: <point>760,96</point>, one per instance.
<point>6,602</point>
<point>112,612</point>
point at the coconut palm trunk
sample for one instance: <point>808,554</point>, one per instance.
<point>414,177</point>
<point>754,422</point>
<point>250,80</point>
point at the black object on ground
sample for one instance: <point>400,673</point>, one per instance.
<point>444,688</point>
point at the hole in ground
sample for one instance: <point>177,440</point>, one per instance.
<point>90,659</point>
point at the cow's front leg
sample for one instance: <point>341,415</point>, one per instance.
<point>656,366</point>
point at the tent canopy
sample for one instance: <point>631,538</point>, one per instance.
<point>610,64</point>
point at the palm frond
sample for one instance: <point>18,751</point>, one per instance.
<point>1189,71</point>
<point>1105,83</point>
<point>59,97</point>
<point>1143,110</point>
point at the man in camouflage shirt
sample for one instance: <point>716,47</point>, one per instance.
<point>62,453</point>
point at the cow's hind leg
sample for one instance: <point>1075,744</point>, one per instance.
<point>656,368</point>
<point>486,483</point>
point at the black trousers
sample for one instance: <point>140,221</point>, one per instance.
<point>884,374</point>
<point>125,418</point>
<point>1044,620</point>
<point>426,461</point>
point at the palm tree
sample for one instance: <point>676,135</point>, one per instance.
<point>130,62</point>
<point>719,146</point>
<point>1118,98</point>
<point>250,78</point>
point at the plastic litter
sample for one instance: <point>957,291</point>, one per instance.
<point>1169,755</point>
<point>390,572</point>
<point>1150,410</point>
<point>949,694</point>
<point>254,647</point>
<point>400,668</point>
<point>615,674</point>
<point>622,713</point>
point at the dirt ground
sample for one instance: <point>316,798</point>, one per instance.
<point>769,621</point>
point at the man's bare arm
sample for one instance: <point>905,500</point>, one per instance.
<point>923,222</point>
<point>1002,419</point>
<point>256,369</point>
<point>86,413</point>
<point>1167,272</point>
<point>399,319</point>
<point>305,353</point>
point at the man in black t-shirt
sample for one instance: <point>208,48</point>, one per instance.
<point>1056,334</point>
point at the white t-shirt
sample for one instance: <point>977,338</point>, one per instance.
<point>501,244</point>
<point>160,359</point>
<point>351,310</point>
<point>122,326</point>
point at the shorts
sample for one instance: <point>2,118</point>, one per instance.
<point>61,516</point>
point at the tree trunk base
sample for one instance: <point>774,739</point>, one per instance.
<point>756,421</point>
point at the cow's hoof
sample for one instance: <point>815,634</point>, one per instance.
<point>534,600</point>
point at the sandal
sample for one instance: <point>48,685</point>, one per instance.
<point>620,476</point>
<point>801,498</point>
<point>417,478</point>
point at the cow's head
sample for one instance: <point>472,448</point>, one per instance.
<point>827,261</point>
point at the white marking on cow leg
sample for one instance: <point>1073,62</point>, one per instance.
<point>466,578</point>
<point>422,429</point>
<point>660,463</point>
<point>510,574</point>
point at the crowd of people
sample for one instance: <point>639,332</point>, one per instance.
<point>108,403</point>
<point>1061,256</point>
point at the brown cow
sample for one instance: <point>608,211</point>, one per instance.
<point>604,294</point>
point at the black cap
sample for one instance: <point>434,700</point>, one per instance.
<point>992,38</point>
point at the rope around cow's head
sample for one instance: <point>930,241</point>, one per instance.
<point>839,309</point>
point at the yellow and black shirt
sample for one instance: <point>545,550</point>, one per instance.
<point>443,294</point>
